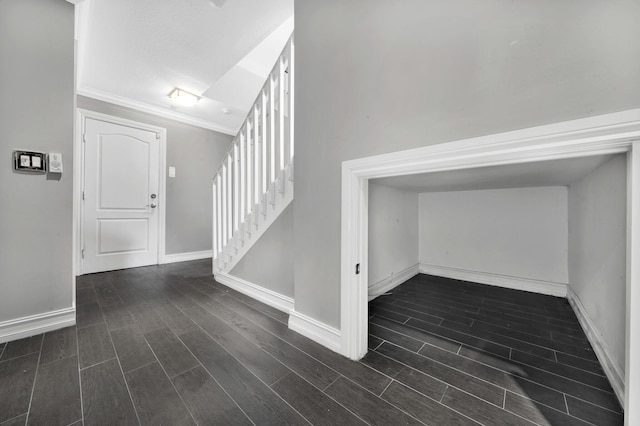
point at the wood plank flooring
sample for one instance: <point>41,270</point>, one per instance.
<point>169,345</point>
<point>502,357</point>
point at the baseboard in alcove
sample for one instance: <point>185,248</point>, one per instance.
<point>613,371</point>
<point>393,281</point>
<point>506,281</point>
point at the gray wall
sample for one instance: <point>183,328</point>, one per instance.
<point>376,76</point>
<point>393,231</point>
<point>518,232</point>
<point>36,113</point>
<point>597,250</point>
<point>196,154</point>
<point>269,263</point>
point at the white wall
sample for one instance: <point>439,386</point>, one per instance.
<point>378,76</point>
<point>519,232</point>
<point>393,232</point>
<point>597,251</point>
<point>36,113</point>
<point>269,263</point>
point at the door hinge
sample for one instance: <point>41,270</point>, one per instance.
<point>82,195</point>
<point>357,268</point>
<point>84,138</point>
<point>82,253</point>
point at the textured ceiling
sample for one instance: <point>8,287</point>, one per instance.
<point>534,174</point>
<point>134,52</point>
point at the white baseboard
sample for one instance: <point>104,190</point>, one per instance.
<point>315,330</point>
<point>506,281</point>
<point>185,257</point>
<point>613,371</point>
<point>36,324</point>
<point>264,295</point>
<point>393,281</point>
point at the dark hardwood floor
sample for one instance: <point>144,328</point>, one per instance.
<point>168,345</point>
<point>498,356</point>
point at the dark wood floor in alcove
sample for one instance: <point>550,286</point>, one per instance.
<point>169,345</point>
<point>500,356</point>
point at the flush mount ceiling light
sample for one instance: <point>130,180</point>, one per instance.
<point>184,98</point>
<point>217,3</point>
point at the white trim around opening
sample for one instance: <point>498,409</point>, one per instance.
<point>605,134</point>
<point>632,352</point>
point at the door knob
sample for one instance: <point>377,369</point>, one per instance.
<point>153,196</point>
<point>152,205</point>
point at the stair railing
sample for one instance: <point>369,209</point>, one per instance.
<point>257,163</point>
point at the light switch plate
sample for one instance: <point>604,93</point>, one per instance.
<point>29,161</point>
<point>172,171</point>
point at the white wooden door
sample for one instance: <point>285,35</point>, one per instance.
<point>121,174</point>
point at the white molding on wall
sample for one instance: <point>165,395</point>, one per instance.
<point>393,281</point>
<point>187,256</point>
<point>153,110</point>
<point>315,330</point>
<point>35,324</point>
<point>613,371</point>
<point>506,281</point>
<point>276,300</point>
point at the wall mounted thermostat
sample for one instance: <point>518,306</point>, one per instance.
<point>55,162</point>
<point>29,161</point>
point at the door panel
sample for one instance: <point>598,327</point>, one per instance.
<point>123,162</point>
<point>122,236</point>
<point>121,176</point>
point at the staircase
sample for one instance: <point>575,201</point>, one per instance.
<point>254,183</point>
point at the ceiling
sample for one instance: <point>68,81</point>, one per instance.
<point>523,175</point>
<point>135,52</point>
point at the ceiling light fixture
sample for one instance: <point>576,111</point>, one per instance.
<point>184,98</point>
<point>217,3</point>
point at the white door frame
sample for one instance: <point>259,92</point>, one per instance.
<point>605,134</point>
<point>78,178</point>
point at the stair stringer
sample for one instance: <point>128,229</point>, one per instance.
<point>278,196</point>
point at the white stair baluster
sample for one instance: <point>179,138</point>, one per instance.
<point>291,101</point>
<point>257,163</point>
<point>243,179</point>
<point>250,168</point>
<point>272,130</point>
<point>229,198</point>
<point>221,242</point>
<point>236,188</point>
<point>214,236</point>
<point>281,83</point>
<point>223,204</point>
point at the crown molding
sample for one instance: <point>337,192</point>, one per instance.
<point>154,110</point>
